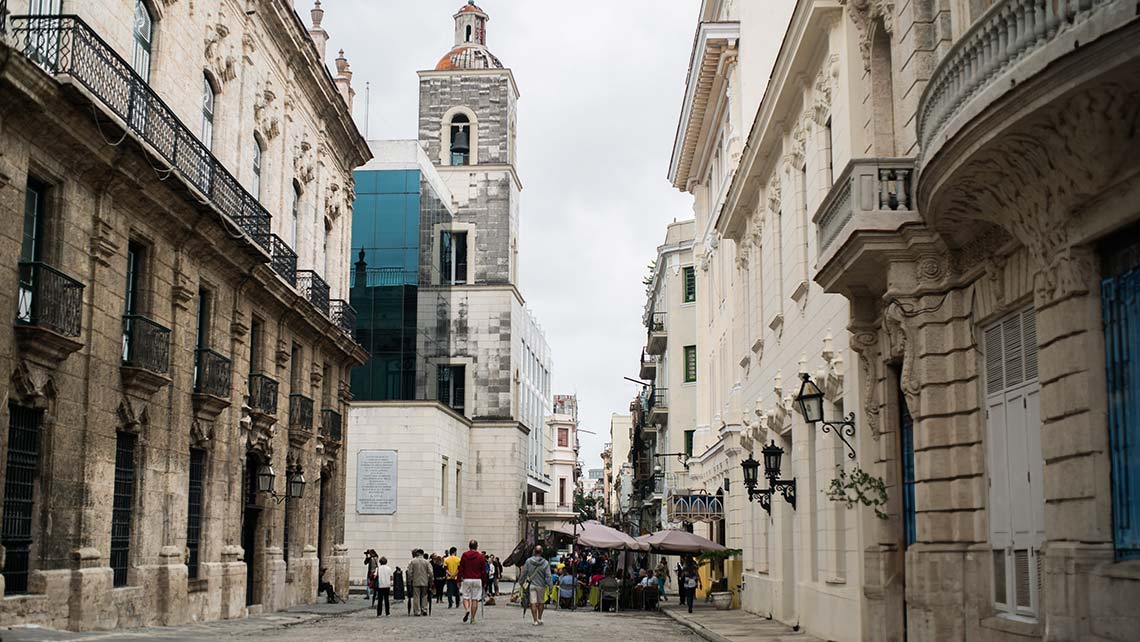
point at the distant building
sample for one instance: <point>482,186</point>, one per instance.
<point>448,431</point>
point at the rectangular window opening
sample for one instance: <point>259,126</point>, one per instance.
<point>123,506</point>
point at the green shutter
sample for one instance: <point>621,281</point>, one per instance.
<point>690,284</point>
<point>690,364</point>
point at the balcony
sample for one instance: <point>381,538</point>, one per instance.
<point>283,259</point>
<point>657,336</point>
<point>331,425</point>
<point>648,370</point>
<point>1025,117</point>
<point>146,355</point>
<point>262,396</point>
<point>213,383</point>
<point>695,507</point>
<point>868,205</point>
<point>66,46</point>
<point>343,315</point>
<point>658,411</point>
<point>300,419</point>
<point>311,286</point>
<point>49,315</point>
<point>550,511</point>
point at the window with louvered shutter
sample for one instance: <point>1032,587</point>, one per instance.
<point>1014,460</point>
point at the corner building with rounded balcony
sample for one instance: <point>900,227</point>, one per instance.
<point>176,191</point>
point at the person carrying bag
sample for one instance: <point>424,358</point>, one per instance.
<point>536,580</point>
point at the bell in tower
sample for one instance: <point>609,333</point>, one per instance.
<point>460,140</point>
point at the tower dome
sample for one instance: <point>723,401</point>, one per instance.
<point>470,50</point>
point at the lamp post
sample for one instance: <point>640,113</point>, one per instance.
<point>810,401</point>
<point>294,483</point>
<point>786,487</point>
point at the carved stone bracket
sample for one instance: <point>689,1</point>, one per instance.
<point>259,432</point>
<point>283,354</point>
<point>32,385</point>
<point>304,167</point>
<point>865,341</point>
<point>201,433</point>
<point>864,13</point>
<point>133,416</point>
<point>266,111</point>
<point>900,343</point>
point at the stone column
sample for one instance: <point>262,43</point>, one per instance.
<point>90,606</point>
<point>171,588</point>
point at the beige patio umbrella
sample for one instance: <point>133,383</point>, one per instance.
<point>597,535</point>
<point>679,542</point>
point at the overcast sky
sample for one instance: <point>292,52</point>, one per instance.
<point>601,84</point>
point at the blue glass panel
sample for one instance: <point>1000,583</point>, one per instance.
<point>1120,300</point>
<point>906,429</point>
<point>391,182</point>
<point>412,181</point>
<point>365,182</point>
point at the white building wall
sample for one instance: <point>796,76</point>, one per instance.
<point>424,435</point>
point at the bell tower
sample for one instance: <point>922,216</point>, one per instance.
<point>470,25</point>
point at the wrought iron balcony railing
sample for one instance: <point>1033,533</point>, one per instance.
<point>659,398</point>
<point>300,411</point>
<point>284,259</point>
<point>65,45</point>
<point>657,322</point>
<point>146,344</point>
<point>212,373</point>
<point>49,299</point>
<point>330,421</point>
<point>343,314</point>
<point>262,395</point>
<point>313,287</point>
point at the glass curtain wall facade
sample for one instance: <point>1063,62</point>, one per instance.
<point>385,282</point>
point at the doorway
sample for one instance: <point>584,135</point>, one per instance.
<point>251,515</point>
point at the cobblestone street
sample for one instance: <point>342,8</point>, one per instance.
<point>504,622</point>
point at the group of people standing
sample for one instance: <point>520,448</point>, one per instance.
<point>464,579</point>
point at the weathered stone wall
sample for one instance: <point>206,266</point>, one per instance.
<point>100,198</point>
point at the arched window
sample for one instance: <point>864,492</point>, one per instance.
<point>295,214</point>
<point>468,33</point>
<point>208,98</point>
<point>255,187</point>
<point>144,38</point>
<point>460,140</point>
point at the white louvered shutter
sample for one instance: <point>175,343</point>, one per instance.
<point>1016,467</point>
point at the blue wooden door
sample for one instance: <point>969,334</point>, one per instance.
<point>1120,297</point>
<point>906,439</point>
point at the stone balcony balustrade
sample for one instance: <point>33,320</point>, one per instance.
<point>870,202</point>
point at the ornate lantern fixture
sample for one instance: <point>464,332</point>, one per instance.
<point>810,402</point>
<point>296,483</point>
<point>786,487</point>
<point>265,476</point>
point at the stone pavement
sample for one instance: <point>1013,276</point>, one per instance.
<point>730,626</point>
<point>353,621</point>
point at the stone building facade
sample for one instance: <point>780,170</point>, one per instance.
<point>177,190</point>
<point>957,173</point>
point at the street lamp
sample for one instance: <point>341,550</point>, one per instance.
<point>681,457</point>
<point>786,487</point>
<point>294,483</point>
<point>810,402</point>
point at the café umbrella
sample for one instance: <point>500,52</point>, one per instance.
<point>679,543</point>
<point>594,534</point>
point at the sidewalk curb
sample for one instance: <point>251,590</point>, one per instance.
<point>699,629</point>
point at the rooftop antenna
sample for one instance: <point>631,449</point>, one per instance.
<point>367,113</point>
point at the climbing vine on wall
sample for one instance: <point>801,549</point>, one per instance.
<point>858,487</point>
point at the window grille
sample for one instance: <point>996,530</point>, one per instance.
<point>194,510</point>
<point>19,494</point>
<point>123,506</point>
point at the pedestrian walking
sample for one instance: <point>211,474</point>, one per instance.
<point>451,564</point>
<point>370,564</point>
<point>383,588</point>
<point>535,582</point>
<point>691,582</point>
<point>419,575</point>
<point>438,576</point>
<point>492,578</point>
<point>498,573</point>
<point>662,576</point>
<point>472,572</point>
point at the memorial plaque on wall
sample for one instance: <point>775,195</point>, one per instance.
<point>376,482</point>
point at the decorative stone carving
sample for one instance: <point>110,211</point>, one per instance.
<point>333,200</point>
<point>133,416</point>
<point>825,84</point>
<point>901,346</point>
<point>283,354</point>
<point>774,194</point>
<point>104,246</point>
<point>258,435</point>
<point>266,110</point>
<point>221,53</point>
<point>32,385</point>
<point>929,268</point>
<point>865,341</point>
<point>864,13</point>
<point>1050,166</point>
<point>304,167</point>
<point>201,433</point>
